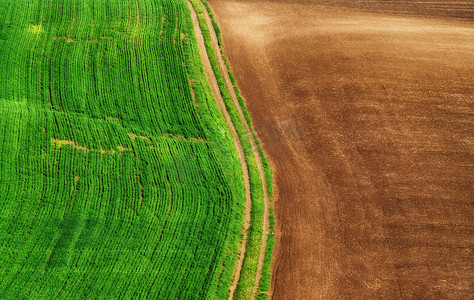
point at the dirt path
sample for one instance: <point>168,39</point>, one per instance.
<point>265,226</point>
<point>367,118</point>
<point>220,103</point>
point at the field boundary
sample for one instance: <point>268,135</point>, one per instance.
<point>261,223</point>
<point>220,103</point>
<point>265,227</point>
<point>264,289</point>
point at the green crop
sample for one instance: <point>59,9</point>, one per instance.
<point>118,176</point>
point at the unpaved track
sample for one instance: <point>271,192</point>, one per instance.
<point>220,103</point>
<point>368,120</point>
<point>230,88</point>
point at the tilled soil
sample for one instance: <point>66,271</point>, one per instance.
<point>368,120</point>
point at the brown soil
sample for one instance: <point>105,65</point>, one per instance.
<point>211,78</point>
<point>368,120</point>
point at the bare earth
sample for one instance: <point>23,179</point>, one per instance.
<point>367,113</point>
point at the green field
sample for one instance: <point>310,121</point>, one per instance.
<point>118,175</point>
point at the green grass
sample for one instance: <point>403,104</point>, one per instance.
<point>115,181</point>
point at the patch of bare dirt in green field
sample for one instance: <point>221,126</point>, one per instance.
<point>59,143</point>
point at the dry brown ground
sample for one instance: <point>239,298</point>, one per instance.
<point>368,120</point>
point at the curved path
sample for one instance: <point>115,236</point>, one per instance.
<point>220,103</point>
<point>215,88</point>
<point>253,142</point>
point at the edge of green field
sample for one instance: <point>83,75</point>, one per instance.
<point>250,264</point>
<point>222,146</point>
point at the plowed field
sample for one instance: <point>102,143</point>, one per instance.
<point>366,111</point>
